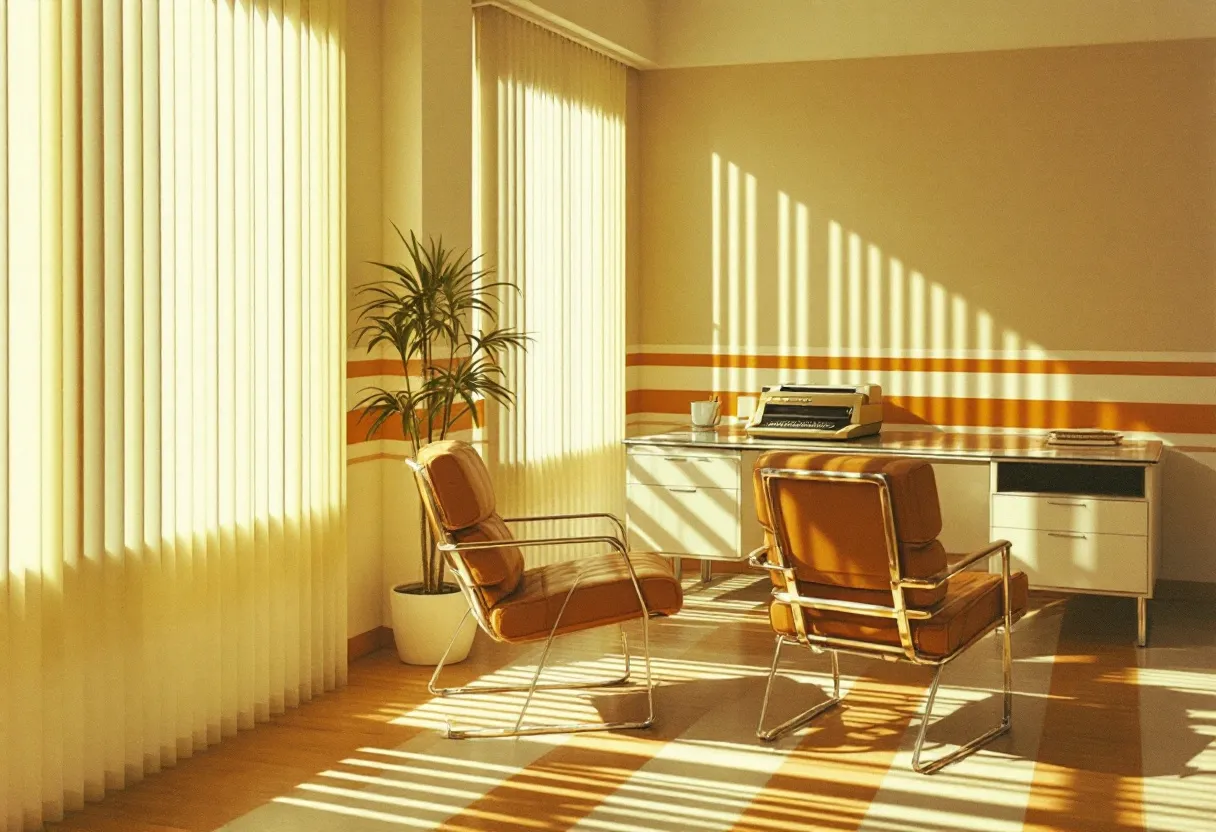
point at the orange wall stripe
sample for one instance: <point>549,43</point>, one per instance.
<point>925,365</point>
<point>356,430</point>
<point>365,368</point>
<point>988,413</point>
<point>374,367</point>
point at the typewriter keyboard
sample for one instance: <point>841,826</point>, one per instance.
<point>802,424</point>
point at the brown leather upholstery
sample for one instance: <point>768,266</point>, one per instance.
<point>837,546</point>
<point>836,529</point>
<point>495,573</point>
<point>605,595</point>
<point>519,605</point>
<point>464,495</point>
<point>464,505</point>
<point>972,603</point>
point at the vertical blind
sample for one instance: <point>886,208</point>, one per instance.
<point>172,541</point>
<point>549,148</point>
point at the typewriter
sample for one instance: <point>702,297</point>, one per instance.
<point>818,412</point>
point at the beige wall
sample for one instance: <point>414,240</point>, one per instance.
<point>633,205</point>
<point>409,146</point>
<point>998,182</point>
<point>364,217</point>
<point>1012,179</point>
<point>1050,204</point>
<point>720,32</point>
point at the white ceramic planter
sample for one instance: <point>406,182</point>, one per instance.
<point>423,626</point>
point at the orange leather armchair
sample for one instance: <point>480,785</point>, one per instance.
<point>851,547</point>
<point>515,605</point>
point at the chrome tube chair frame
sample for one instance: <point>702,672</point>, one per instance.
<point>899,611</point>
<point>449,546</point>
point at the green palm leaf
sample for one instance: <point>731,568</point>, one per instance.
<point>439,306</point>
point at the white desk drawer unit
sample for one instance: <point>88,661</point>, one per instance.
<point>1080,519</point>
<point>1080,527</point>
<point>1067,513</point>
<point>1070,560</point>
<point>690,503</point>
<point>700,470</point>
<point>685,520</point>
<point>1073,542</point>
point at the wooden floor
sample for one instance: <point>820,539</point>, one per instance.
<point>1106,737</point>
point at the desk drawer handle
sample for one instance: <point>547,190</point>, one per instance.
<point>1073,535</point>
<point>679,490</point>
<point>1077,505</point>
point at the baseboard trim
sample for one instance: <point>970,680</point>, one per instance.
<point>369,642</point>
<point>1185,591</point>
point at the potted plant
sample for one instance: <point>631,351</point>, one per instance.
<point>437,312</point>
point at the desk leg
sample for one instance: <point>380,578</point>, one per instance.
<point>707,571</point>
<point>1142,621</point>
<point>677,568</point>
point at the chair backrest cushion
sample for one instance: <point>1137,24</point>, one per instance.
<point>836,528</point>
<point>464,506</point>
<point>464,495</point>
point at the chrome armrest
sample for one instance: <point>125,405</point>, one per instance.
<point>612,518</point>
<point>952,569</point>
<point>474,545</point>
<point>618,545</point>
<point>756,558</point>
<point>759,559</point>
<point>852,607</point>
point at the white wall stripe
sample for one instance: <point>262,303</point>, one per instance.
<point>642,423</point>
<point>1020,354</point>
<point>1030,386</point>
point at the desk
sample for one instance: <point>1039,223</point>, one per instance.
<point>1081,519</point>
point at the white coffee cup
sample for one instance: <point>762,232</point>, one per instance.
<point>706,414</point>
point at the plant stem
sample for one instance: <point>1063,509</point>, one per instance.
<point>423,528</point>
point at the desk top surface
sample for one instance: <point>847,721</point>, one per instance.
<point>930,444</point>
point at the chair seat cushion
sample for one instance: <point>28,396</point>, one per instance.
<point>604,595</point>
<point>972,603</point>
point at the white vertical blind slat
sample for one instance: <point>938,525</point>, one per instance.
<point>172,507</point>
<point>75,621</point>
<point>50,567</point>
<point>10,806</point>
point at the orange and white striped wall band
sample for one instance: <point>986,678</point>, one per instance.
<point>1201,367</point>
<point>362,372</point>
<point>368,367</point>
<point>1159,393</point>
<point>1156,393</point>
<point>358,422</point>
